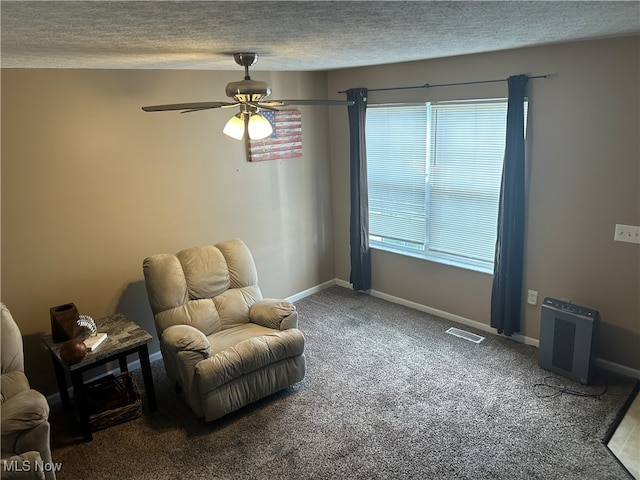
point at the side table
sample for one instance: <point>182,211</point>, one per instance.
<point>124,337</point>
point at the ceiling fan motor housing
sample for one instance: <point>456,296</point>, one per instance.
<point>248,90</point>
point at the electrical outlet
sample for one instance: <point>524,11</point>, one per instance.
<point>532,297</point>
<point>627,233</point>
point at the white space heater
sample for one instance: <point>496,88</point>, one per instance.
<point>566,339</point>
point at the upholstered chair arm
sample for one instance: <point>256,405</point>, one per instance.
<point>23,411</point>
<point>183,347</point>
<point>25,427</point>
<point>185,338</point>
<point>12,383</point>
<point>273,313</point>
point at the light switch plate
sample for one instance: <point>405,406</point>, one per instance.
<point>627,233</point>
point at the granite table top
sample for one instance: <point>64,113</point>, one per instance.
<point>122,335</point>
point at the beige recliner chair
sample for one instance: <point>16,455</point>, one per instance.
<point>25,412</point>
<point>223,345</point>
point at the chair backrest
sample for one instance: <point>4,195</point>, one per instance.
<point>12,354</point>
<point>209,287</point>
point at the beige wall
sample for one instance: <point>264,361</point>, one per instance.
<point>584,177</point>
<point>91,185</point>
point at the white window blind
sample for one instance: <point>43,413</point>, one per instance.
<point>396,170</point>
<point>434,175</point>
<point>465,159</point>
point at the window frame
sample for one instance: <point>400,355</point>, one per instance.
<point>427,253</point>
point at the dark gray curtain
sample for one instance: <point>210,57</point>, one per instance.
<point>506,294</point>
<point>359,222</point>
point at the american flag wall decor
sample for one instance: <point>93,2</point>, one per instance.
<point>284,142</point>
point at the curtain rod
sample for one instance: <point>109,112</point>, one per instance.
<point>427,85</point>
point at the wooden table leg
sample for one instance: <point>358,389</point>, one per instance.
<point>145,365</point>
<point>81,405</point>
<point>124,367</point>
<point>61,379</point>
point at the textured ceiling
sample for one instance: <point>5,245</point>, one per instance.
<point>304,35</point>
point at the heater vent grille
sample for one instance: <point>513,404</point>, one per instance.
<point>472,337</point>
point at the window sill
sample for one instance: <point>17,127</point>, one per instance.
<point>434,258</point>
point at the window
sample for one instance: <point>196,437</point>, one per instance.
<point>434,173</point>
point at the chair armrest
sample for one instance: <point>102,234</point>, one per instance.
<point>273,313</point>
<point>185,338</point>
<point>12,383</point>
<point>24,411</point>
<point>183,347</point>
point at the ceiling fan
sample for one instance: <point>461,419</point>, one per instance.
<point>250,95</point>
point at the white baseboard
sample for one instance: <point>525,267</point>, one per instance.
<point>416,306</point>
<point>454,318</point>
<point>617,368</point>
<point>601,363</point>
<point>312,290</point>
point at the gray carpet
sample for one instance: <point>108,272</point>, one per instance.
<point>388,394</point>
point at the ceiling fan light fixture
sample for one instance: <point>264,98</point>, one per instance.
<point>235,127</point>
<point>259,127</point>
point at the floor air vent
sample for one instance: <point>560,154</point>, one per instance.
<point>472,337</point>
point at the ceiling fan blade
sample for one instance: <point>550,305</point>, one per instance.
<point>200,108</point>
<point>284,103</point>
<point>188,107</point>
<point>262,106</point>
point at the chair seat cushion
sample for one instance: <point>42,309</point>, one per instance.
<point>247,356</point>
<point>232,336</point>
